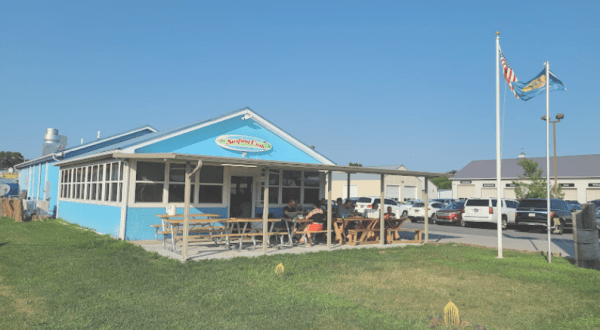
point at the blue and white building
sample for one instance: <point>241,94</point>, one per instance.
<point>39,177</point>
<point>120,187</point>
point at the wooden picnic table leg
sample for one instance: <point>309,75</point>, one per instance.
<point>173,240</point>
<point>339,231</point>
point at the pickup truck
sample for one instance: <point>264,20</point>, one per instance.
<point>534,212</point>
<point>484,210</point>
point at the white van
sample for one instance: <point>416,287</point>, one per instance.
<point>484,210</point>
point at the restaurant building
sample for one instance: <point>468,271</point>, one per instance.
<point>118,189</point>
<point>578,177</point>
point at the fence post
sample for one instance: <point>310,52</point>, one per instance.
<point>1,206</point>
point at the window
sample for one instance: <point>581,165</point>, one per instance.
<point>211,185</point>
<point>149,182</point>
<point>98,183</point>
<point>302,186</point>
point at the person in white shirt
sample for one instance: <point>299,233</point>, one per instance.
<point>372,213</point>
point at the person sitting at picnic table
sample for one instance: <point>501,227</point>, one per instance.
<point>324,204</point>
<point>373,212</point>
<point>345,210</point>
<point>317,215</point>
<point>291,211</point>
<point>389,215</point>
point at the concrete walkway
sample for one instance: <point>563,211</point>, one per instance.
<point>208,250</point>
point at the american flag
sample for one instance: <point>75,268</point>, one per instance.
<point>509,74</point>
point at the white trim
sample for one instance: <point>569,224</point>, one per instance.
<point>125,201</point>
<point>290,139</point>
<point>132,149</point>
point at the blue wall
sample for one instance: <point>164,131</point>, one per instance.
<point>140,219</point>
<point>53,177</point>
<point>102,218</point>
<point>202,142</point>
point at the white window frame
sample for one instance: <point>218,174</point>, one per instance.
<point>68,183</point>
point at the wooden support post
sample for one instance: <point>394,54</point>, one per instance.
<point>186,210</point>
<point>348,188</point>
<point>426,198</point>
<point>266,211</point>
<point>329,207</point>
<point>381,212</point>
<point>1,206</point>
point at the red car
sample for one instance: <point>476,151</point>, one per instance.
<point>450,214</point>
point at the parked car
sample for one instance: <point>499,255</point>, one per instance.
<point>365,203</point>
<point>575,204</point>
<point>417,211</point>
<point>534,212</point>
<point>451,214</point>
<point>483,210</point>
<point>445,201</point>
<point>598,220</point>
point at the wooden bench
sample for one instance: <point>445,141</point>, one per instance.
<point>251,235</point>
<point>306,239</point>
<point>394,235</point>
<point>353,236</point>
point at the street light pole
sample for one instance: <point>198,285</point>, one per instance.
<point>553,122</point>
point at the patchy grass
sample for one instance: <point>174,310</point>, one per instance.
<point>58,275</point>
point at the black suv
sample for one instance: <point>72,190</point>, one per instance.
<point>533,212</point>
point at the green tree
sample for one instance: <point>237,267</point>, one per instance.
<point>537,187</point>
<point>442,182</point>
<point>10,159</point>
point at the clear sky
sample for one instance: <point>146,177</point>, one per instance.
<point>373,82</point>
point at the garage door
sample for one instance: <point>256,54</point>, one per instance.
<point>409,192</point>
<point>353,191</point>
<point>392,191</point>
<point>592,194</point>
<point>570,194</point>
<point>489,192</point>
<point>466,191</point>
<point>510,194</point>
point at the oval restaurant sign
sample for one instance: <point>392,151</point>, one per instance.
<point>243,143</point>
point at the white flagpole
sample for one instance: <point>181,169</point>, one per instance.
<point>498,154</point>
<point>548,159</point>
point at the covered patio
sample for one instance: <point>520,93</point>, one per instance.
<point>194,163</point>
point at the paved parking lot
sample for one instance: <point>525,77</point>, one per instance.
<point>533,240</point>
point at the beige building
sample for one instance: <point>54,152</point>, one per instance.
<point>578,177</point>
<point>397,187</point>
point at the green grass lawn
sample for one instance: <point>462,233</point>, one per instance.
<point>58,275</point>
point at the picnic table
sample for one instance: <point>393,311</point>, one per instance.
<point>241,226</point>
<point>199,223</point>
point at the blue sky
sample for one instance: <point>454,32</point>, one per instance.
<point>377,82</point>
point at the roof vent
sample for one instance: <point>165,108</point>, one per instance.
<point>522,155</point>
<point>53,142</point>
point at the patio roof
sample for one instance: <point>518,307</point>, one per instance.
<point>247,162</point>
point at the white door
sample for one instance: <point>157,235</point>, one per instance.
<point>488,192</point>
<point>353,191</point>
<point>409,192</point>
<point>392,191</point>
<point>592,194</point>
<point>466,191</point>
<point>570,194</point>
<point>510,193</point>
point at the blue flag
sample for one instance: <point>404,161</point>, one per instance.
<point>530,89</point>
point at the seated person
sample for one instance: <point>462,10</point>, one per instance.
<point>373,212</point>
<point>324,204</point>
<point>389,215</point>
<point>346,209</point>
<point>316,215</point>
<point>291,210</point>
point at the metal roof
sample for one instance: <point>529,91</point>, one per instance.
<point>246,162</point>
<point>366,176</point>
<point>83,146</point>
<point>582,166</point>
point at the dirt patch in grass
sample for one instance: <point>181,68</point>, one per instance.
<point>418,293</point>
